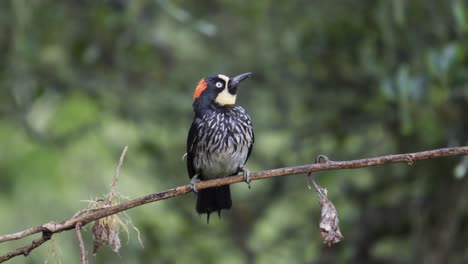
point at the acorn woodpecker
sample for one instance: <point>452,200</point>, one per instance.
<point>220,140</point>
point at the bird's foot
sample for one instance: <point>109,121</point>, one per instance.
<point>193,183</point>
<point>246,175</point>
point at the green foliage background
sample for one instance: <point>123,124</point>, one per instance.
<point>79,80</point>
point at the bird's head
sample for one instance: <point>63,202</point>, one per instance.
<point>219,89</point>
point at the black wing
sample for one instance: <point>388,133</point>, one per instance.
<point>251,145</point>
<point>191,146</point>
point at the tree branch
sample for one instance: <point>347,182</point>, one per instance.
<point>83,259</point>
<point>51,228</point>
<point>117,174</point>
<point>46,235</point>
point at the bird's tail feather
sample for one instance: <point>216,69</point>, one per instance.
<point>214,200</point>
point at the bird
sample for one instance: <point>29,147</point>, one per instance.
<point>220,140</point>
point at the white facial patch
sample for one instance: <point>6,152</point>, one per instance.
<point>224,97</point>
<point>225,79</point>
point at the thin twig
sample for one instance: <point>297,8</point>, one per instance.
<point>21,234</point>
<point>117,173</point>
<point>46,235</point>
<point>322,192</point>
<point>83,259</point>
<point>54,227</point>
<point>80,212</point>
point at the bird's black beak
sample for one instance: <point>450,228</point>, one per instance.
<point>236,80</point>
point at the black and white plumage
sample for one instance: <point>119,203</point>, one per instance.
<point>220,139</point>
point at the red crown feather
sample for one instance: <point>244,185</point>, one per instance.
<point>201,86</point>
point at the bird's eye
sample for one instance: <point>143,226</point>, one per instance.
<point>219,84</point>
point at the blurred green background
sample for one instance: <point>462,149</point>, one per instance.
<point>349,79</point>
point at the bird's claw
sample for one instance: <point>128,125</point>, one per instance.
<point>246,175</point>
<point>193,183</point>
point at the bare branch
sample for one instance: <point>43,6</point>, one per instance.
<point>21,234</point>
<point>83,260</point>
<point>46,235</point>
<point>56,227</point>
<point>117,173</point>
